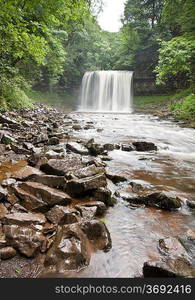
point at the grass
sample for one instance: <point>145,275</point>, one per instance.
<point>142,101</point>
<point>59,100</point>
<point>15,98</point>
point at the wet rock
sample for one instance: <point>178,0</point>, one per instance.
<point>85,172</point>
<point>100,207</point>
<point>87,212</point>
<point>178,267</point>
<point>78,187</point>
<point>136,206</point>
<point>127,148</point>
<point>109,147</point>
<point>8,182</point>
<point>97,233</point>
<point>171,246</point>
<point>3,193</point>
<point>136,187</point>
<point>53,141</point>
<point>104,195</point>
<point>50,180</point>
<point>105,158</point>
<point>20,150</point>
<point>41,138</point>
<point>44,193</point>
<point>7,120</point>
<point>3,210</point>
<point>115,178</point>
<point>61,166</point>
<point>7,253</point>
<point>76,127</point>
<point>62,215</point>
<point>37,159</point>
<point>54,155</point>
<point>94,148</point>
<point>26,240</point>
<point>70,250</point>
<point>29,201</point>
<point>25,173</point>
<point>77,148</point>
<point>160,200</point>
<point>190,203</point>
<point>88,160</point>
<point>144,146</point>
<point>23,219</point>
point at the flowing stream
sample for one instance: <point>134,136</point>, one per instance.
<point>135,233</point>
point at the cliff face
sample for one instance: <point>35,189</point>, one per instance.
<point>144,84</point>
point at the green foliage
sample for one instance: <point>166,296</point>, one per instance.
<point>175,61</point>
<point>184,108</point>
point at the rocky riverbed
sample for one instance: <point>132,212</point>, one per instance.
<point>61,175</point>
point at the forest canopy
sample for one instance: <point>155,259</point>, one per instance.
<point>48,45</point>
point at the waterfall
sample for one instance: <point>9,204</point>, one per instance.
<point>107,91</point>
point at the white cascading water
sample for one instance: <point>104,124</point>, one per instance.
<point>107,91</point>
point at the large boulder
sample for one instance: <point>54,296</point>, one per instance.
<point>171,246</point>
<point>87,213</point>
<point>94,148</point>
<point>97,233</point>
<point>44,193</point>
<point>104,195</point>
<point>77,148</point>
<point>115,177</point>
<point>63,215</point>
<point>100,207</point>
<point>25,173</point>
<point>175,261</point>
<point>28,201</point>
<point>26,240</point>
<point>178,267</point>
<point>60,167</point>
<point>7,253</point>
<point>79,187</point>
<point>88,171</point>
<point>144,146</point>
<point>23,219</point>
<point>52,181</point>
<point>70,250</point>
<point>162,200</point>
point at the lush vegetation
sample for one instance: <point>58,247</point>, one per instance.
<point>48,45</point>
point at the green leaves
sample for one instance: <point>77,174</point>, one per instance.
<point>175,60</point>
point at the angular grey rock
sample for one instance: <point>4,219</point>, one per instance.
<point>26,240</point>
<point>86,172</point>
<point>44,193</point>
<point>7,253</point>
<point>97,233</point>
<point>25,173</point>
<point>70,250</point>
<point>144,146</point>
<point>52,181</point>
<point>23,219</point>
<point>77,148</point>
<point>78,187</point>
<point>62,215</point>
<point>60,167</point>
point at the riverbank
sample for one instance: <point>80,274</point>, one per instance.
<point>63,194</point>
<point>179,107</point>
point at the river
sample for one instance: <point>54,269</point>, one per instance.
<point>135,232</point>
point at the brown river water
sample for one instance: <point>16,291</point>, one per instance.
<point>135,232</point>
